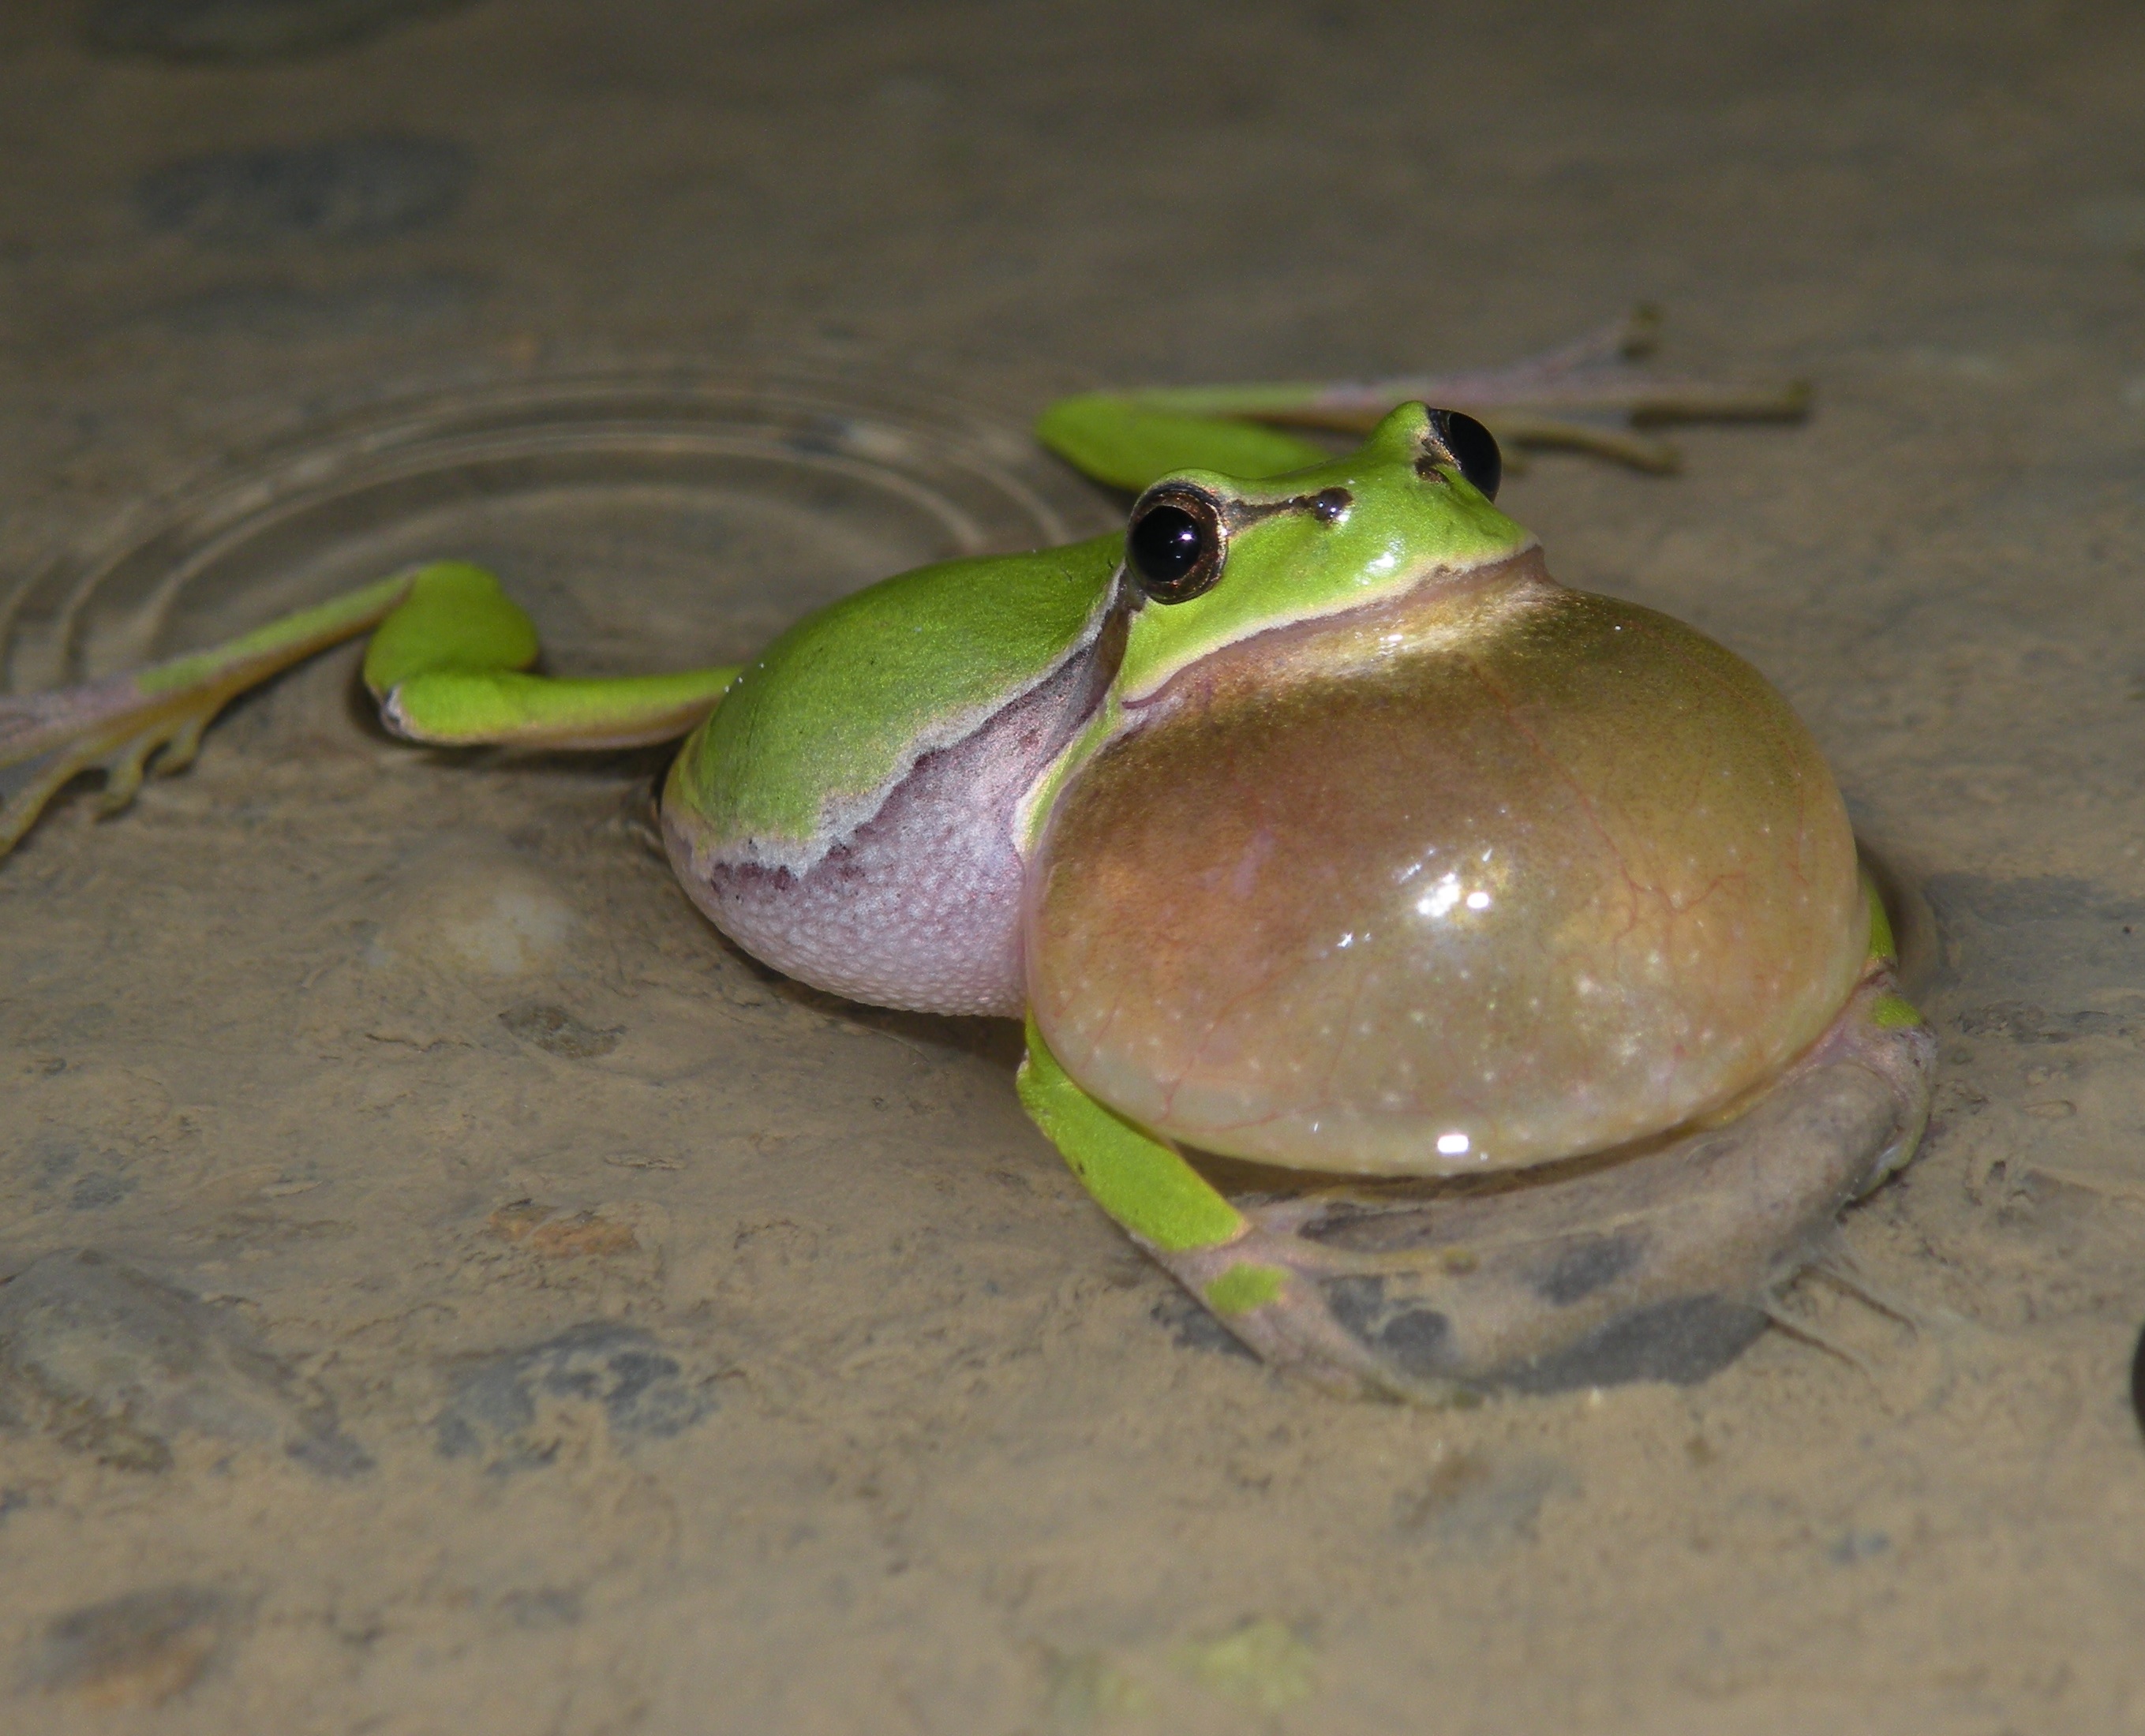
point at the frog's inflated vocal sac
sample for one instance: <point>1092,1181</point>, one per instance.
<point>1454,980</point>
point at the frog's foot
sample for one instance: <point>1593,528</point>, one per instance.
<point>1653,1263</point>
<point>125,726</point>
<point>1594,394</point>
<point>449,667</point>
<point>1658,1263</point>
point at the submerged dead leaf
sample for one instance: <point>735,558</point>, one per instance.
<point>543,1231</point>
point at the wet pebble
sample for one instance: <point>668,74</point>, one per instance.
<point>116,1364</point>
<point>97,1190</point>
<point>138,1649</point>
<point>498,1408</point>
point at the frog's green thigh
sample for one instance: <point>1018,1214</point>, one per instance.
<point>1653,1263</point>
<point>1128,442</point>
<point>449,668</point>
<point>447,665</point>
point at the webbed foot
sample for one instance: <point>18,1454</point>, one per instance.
<point>1594,394</point>
<point>125,726</point>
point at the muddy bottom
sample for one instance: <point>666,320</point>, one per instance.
<point>450,1289</point>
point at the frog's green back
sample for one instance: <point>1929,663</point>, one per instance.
<point>803,746</point>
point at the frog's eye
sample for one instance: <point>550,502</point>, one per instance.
<point>1457,439</point>
<point>1177,541</point>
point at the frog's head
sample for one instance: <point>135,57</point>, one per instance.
<point>1214,559</point>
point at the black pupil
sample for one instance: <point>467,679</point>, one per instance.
<point>1474,449</point>
<point>1165,545</point>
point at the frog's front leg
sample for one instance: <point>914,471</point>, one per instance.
<point>1656,1264</point>
<point>449,666</point>
<point>1250,1281</point>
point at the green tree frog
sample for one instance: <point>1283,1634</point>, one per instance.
<point>1453,979</point>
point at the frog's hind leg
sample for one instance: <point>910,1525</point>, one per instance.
<point>449,666</point>
<point>1595,394</point>
<point>1657,1264</point>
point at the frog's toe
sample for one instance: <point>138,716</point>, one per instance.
<point>47,740</point>
<point>1655,1264</point>
<point>126,726</point>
